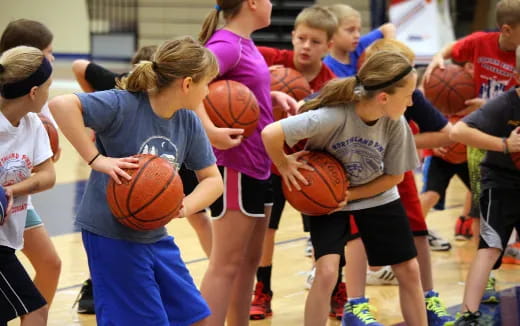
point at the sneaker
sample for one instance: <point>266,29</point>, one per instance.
<point>490,293</point>
<point>384,276</point>
<point>511,255</point>
<point>435,310</point>
<point>463,228</point>
<point>469,318</point>
<point>357,313</point>
<point>261,304</point>
<point>437,243</point>
<point>85,299</point>
<point>337,301</point>
<point>308,248</point>
<point>310,278</point>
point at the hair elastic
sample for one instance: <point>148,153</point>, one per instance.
<point>23,87</point>
<point>218,8</point>
<point>390,82</point>
<point>154,65</point>
<point>2,69</point>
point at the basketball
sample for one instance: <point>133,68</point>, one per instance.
<point>151,198</point>
<point>231,104</point>
<point>291,82</point>
<point>455,153</point>
<point>52,132</point>
<point>326,189</point>
<point>448,89</point>
<point>3,205</point>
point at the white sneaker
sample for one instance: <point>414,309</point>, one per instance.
<point>308,248</point>
<point>384,276</point>
<point>437,243</point>
<point>310,278</point>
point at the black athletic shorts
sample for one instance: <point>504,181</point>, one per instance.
<point>385,232</point>
<point>439,173</point>
<point>18,294</point>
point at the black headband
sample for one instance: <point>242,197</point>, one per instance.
<point>387,83</point>
<point>23,87</point>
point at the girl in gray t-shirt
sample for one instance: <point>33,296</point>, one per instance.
<point>359,120</point>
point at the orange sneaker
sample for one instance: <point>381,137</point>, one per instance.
<point>463,228</point>
<point>337,301</point>
<point>261,305</point>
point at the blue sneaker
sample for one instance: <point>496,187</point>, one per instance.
<point>357,313</point>
<point>490,294</point>
<point>436,311</point>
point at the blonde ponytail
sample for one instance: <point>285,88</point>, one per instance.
<point>229,9</point>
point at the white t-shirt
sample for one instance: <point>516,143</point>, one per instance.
<point>21,148</point>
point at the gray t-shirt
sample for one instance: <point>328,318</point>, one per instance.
<point>125,124</point>
<point>366,151</point>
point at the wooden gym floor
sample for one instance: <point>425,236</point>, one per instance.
<point>290,265</point>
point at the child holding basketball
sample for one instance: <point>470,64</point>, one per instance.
<point>241,214</point>
<point>38,247</point>
<point>433,131</point>
<point>493,128</point>
<point>493,58</point>
<point>151,114</point>
<point>359,121</point>
<point>347,45</point>
<point>25,168</point>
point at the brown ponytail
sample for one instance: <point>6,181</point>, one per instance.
<point>379,69</point>
<point>229,9</point>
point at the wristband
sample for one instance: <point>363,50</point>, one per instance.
<point>506,149</point>
<point>93,159</point>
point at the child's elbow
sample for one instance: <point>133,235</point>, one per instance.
<point>457,131</point>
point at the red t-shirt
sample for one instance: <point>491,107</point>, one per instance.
<point>493,67</point>
<point>285,58</point>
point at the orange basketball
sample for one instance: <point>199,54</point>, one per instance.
<point>52,132</point>
<point>151,198</point>
<point>231,104</point>
<point>291,82</point>
<point>456,152</point>
<point>326,189</point>
<point>448,89</point>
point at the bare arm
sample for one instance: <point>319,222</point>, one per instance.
<point>220,138</point>
<point>438,60</point>
<point>434,139</point>
<point>209,188</point>
<point>288,165</point>
<point>67,112</point>
<point>374,187</point>
<point>463,133</point>
<point>43,177</point>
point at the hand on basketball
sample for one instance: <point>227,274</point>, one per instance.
<point>472,105</point>
<point>440,151</point>
<point>341,204</point>
<point>287,103</point>
<point>182,212</point>
<point>290,173</point>
<point>513,142</point>
<point>114,167</point>
<point>437,61</point>
<point>226,138</point>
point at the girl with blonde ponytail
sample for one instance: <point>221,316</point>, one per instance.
<point>25,168</point>
<point>359,120</point>
<point>150,114</point>
<point>240,217</point>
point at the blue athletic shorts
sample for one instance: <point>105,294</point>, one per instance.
<point>141,284</point>
<point>32,219</point>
